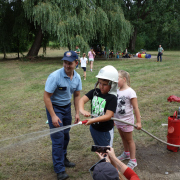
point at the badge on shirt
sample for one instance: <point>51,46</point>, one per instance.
<point>62,88</point>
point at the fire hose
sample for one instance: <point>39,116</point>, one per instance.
<point>116,119</point>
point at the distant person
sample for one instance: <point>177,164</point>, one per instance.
<point>83,62</point>
<point>103,50</point>
<point>126,104</point>
<point>91,55</point>
<point>111,168</point>
<point>78,53</point>
<point>103,105</point>
<point>110,53</point>
<point>60,86</point>
<point>160,52</point>
<point>126,51</point>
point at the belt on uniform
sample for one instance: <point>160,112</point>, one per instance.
<point>62,106</point>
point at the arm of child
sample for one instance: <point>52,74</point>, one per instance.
<point>109,114</point>
<point>83,101</point>
<point>137,113</point>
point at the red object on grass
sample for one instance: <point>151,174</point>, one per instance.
<point>173,98</point>
<point>173,136</point>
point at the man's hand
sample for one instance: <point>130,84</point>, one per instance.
<point>77,119</point>
<point>56,121</point>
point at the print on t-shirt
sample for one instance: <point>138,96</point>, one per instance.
<point>121,104</point>
<point>98,105</point>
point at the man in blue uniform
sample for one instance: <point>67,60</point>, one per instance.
<point>60,86</point>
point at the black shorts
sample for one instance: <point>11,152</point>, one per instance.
<point>84,68</point>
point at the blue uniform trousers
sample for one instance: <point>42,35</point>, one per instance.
<point>60,139</point>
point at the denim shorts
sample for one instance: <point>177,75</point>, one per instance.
<point>102,138</point>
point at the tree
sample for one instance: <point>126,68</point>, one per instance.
<point>169,29</point>
<point>14,27</point>
<point>6,26</point>
<point>140,13</point>
<point>155,22</point>
<point>78,22</point>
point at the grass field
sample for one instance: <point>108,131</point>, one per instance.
<point>22,111</point>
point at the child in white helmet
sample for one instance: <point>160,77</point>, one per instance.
<point>126,103</point>
<point>103,106</point>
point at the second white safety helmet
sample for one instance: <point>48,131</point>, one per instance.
<point>110,73</point>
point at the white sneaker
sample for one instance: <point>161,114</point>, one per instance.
<point>123,156</point>
<point>132,164</point>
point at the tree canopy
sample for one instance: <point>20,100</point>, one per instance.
<point>78,22</point>
<point>117,24</point>
<point>155,22</point>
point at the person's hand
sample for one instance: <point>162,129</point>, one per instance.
<point>103,155</point>
<point>56,121</point>
<point>139,126</point>
<point>77,119</point>
<point>89,122</point>
<point>111,153</point>
<point>85,113</point>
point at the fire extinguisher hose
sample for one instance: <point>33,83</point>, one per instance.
<point>116,119</point>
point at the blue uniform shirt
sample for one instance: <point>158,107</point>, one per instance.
<point>62,86</point>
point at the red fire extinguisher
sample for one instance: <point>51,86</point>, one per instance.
<point>173,136</point>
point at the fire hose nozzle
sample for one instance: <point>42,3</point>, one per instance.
<point>84,122</point>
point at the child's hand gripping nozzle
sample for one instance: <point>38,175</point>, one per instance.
<point>83,122</point>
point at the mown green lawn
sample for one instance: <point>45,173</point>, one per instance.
<point>22,111</point>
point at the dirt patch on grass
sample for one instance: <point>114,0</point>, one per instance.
<point>156,162</point>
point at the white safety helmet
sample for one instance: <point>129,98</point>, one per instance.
<point>110,73</point>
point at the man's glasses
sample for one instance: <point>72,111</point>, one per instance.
<point>92,168</point>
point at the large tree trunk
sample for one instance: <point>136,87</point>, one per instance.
<point>133,41</point>
<point>36,45</point>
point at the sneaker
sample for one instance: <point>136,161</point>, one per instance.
<point>67,163</point>
<point>77,68</point>
<point>123,156</point>
<point>84,78</point>
<point>62,175</point>
<point>132,164</point>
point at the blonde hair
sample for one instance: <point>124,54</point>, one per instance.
<point>125,74</point>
